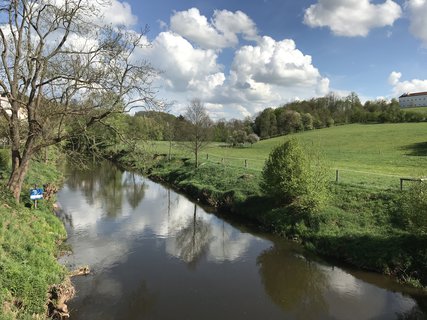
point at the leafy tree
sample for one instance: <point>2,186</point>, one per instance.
<point>63,67</point>
<point>221,132</point>
<point>295,178</point>
<point>290,121</point>
<point>307,121</point>
<point>266,123</point>
<point>198,131</point>
<point>238,137</point>
<point>252,138</point>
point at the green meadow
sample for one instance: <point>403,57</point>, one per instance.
<point>373,155</point>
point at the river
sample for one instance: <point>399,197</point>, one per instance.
<point>154,254</point>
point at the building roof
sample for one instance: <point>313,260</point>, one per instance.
<point>413,94</point>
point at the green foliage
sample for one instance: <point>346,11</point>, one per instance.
<point>29,241</point>
<point>414,207</point>
<point>295,177</point>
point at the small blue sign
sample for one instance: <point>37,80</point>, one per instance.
<point>36,194</point>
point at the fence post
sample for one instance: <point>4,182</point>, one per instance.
<point>337,176</point>
<point>401,184</point>
<point>246,163</point>
<point>207,156</point>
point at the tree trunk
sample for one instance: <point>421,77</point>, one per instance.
<point>17,177</point>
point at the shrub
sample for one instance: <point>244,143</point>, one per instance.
<point>295,177</point>
<point>414,207</point>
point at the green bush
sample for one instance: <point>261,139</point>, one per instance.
<point>414,207</point>
<point>295,177</point>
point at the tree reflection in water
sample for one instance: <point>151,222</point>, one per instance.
<point>192,241</point>
<point>293,283</point>
<point>134,188</point>
<point>140,303</point>
<point>104,184</point>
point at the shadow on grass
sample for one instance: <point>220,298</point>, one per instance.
<point>416,149</point>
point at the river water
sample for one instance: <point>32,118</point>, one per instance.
<point>154,254</point>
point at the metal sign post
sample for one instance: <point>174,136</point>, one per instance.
<point>36,194</point>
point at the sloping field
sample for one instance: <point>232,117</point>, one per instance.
<point>371,154</point>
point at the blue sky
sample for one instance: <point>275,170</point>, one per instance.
<point>240,57</point>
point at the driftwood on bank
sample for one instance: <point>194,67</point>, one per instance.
<point>82,271</point>
<point>49,190</point>
<point>60,294</point>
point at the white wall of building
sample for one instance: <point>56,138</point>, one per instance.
<point>413,101</point>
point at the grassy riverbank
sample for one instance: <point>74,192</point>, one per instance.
<point>362,224</point>
<point>29,244</point>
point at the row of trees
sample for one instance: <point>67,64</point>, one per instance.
<point>293,117</point>
<point>328,111</point>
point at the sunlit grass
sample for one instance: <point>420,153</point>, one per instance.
<point>29,240</point>
<point>372,155</point>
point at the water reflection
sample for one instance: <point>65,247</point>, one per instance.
<point>107,185</point>
<point>156,255</point>
<point>293,283</point>
<point>134,188</point>
<point>309,290</point>
<point>191,242</point>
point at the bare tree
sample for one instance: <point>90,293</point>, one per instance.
<point>198,133</point>
<point>65,70</point>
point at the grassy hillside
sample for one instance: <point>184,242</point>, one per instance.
<point>372,154</point>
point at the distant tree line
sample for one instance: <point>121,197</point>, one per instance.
<point>327,111</point>
<point>164,126</point>
<point>316,113</point>
<point>293,117</point>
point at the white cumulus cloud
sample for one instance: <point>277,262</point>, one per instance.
<point>267,73</point>
<point>118,13</point>
<point>184,67</point>
<point>418,18</point>
<point>400,87</point>
<point>219,33</point>
<point>273,72</point>
<point>352,17</point>
<point>275,62</point>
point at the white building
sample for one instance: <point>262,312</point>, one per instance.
<point>415,99</point>
<point>5,105</point>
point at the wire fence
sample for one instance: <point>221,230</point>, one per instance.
<point>339,175</point>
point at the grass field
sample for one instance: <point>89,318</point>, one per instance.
<point>375,155</point>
